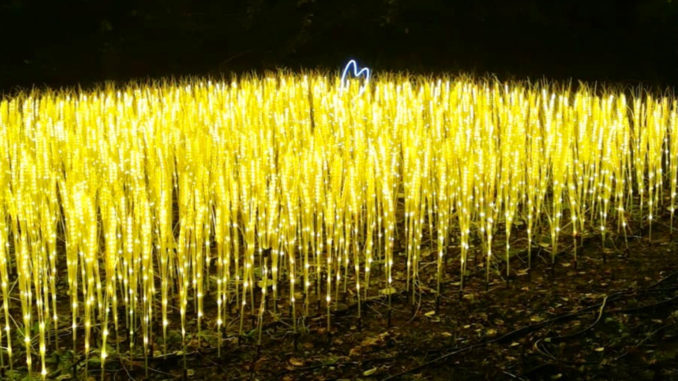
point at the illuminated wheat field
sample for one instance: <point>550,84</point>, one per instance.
<point>198,204</point>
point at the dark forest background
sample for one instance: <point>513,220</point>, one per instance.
<point>69,42</point>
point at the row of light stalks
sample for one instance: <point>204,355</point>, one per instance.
<point>154,200</point>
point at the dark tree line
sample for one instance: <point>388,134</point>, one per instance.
<point>83,41</point>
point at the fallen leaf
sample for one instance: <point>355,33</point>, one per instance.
<point>369,372</point>
<point>296,361</point>
<point>387,291</point>
<point>260,363</point>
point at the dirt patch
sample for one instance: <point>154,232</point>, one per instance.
<point>612,316</point>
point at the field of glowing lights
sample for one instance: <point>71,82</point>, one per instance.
<point>150,220</point>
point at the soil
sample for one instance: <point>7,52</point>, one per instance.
<point>612,315</point>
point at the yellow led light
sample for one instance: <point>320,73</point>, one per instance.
<point>295,184</point>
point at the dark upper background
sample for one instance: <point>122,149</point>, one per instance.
<point>80,42</point>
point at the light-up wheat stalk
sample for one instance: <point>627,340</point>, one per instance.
<point>202,205</point>
<point>513,114</point>
<point>672,147</point>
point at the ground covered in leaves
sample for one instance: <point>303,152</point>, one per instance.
<point>613,315</point>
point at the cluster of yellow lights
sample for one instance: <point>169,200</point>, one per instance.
<point>152,201</point>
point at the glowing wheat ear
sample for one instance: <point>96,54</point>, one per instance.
<point>356,73</point>
<point>158,192</point>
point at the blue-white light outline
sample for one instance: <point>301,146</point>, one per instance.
<point>356,73</point>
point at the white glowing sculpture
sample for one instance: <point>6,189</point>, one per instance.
<point>356,73</point>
